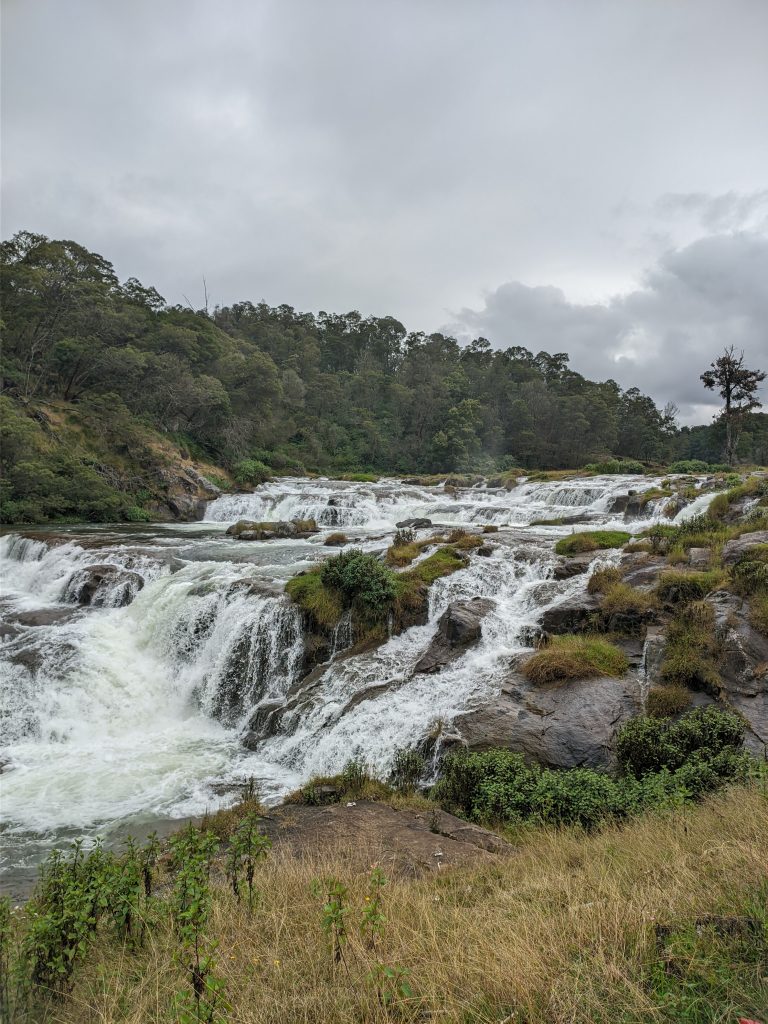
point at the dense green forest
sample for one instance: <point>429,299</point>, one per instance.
<point>103,381</point>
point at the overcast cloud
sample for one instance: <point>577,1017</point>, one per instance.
<point>573,175</point>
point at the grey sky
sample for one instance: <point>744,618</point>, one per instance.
<point>587,176</point>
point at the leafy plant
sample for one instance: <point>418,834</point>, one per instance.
<point>334,894</point>
<point>247,846</point>
<point>407,768</point>
<point>392,984</point>
<point>373,919</point>
<point>192,852</point>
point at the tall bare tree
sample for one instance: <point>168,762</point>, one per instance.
<point>738,388</point>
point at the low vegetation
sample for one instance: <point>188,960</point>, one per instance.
<point>677,587</point>
<point>692,649</point>
<point>592,540</point>
<point>623,599</point>
<point>616,466</point>
<point>375,595</point>
<point>667,701</point>
<point>575,657</point>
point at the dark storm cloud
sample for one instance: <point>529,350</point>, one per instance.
<point>402,157</point>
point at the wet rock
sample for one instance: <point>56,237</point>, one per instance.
<point>653,654</point>
<point>459,626</point>
<point>414,524</point>
<point>246,529</point>
<point>574,565</point>
<point>567,726</point>
<point>485,550</point>
<point>734,550</point>
<point>103,586</point>
<point>573,615</point>
<point>743,664</point>
<point>43,616</point>
<point>619,504</point>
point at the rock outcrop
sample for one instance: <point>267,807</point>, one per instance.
<point>414,524</point>
<point>246,529</point>
<point>735,550</point>
<point>459,626</point>
<point>405,842</point>
<point>103,586</point>
<point>562,726</point>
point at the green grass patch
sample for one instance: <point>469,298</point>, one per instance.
<point>623,599</point>
<point>575,657</point>
<point>593,540</point>
<point>310,593</point>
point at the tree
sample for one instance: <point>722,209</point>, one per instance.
<point>738,387</point>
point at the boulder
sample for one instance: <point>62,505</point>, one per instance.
<point>743,664</point>
<point>734,550</point>
<point>619,504</point>
<point>485,550</point>
<point>414,524</point>
<point>459,626</point>
<point>103,586</point>
<point>573,615</point>
<point>574,565</point>
<point>560,726</point>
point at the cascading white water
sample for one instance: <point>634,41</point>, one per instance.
<point>115,715</point>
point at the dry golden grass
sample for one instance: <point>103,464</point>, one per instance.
<point>560,933</point>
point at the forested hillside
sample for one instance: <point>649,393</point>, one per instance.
<point>109,394</point>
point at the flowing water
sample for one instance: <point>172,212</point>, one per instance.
<point>118,716</point>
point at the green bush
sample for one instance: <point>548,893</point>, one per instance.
<point>645,745</point>
<point>689,466</point>
<point>407,768</point>
<point>593,540</point>
<point>616,466</point>
<point>673,762</point>
<point>750,574</point>
<point>136,514</point>
<point>362,580</point>
<point>251,472</point>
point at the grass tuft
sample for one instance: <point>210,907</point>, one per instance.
<point>575,657</point>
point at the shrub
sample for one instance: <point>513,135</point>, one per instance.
<point>602,579</point>
<point>361,580</point>
<point>490,528</point>
<point>468,542</point>
<point>336,540</point>
<point>614,466</point>
<point>689,466</point>
<point>575,657</point>
<point>646,744</point>
<point>591,541</point>
<point>407,768</point>
<point>136,514</point>
<point>665,701</point>
<point>750,574</point>
<point>250,472</point>
<point>677,587</point>
<point>403,538</point>
<point>665,763</point>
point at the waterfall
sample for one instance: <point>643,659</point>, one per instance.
<point>132,707</point>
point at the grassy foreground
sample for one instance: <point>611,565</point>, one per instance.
<point>562,931</point>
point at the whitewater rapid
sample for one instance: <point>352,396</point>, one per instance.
<point>117,717</point>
